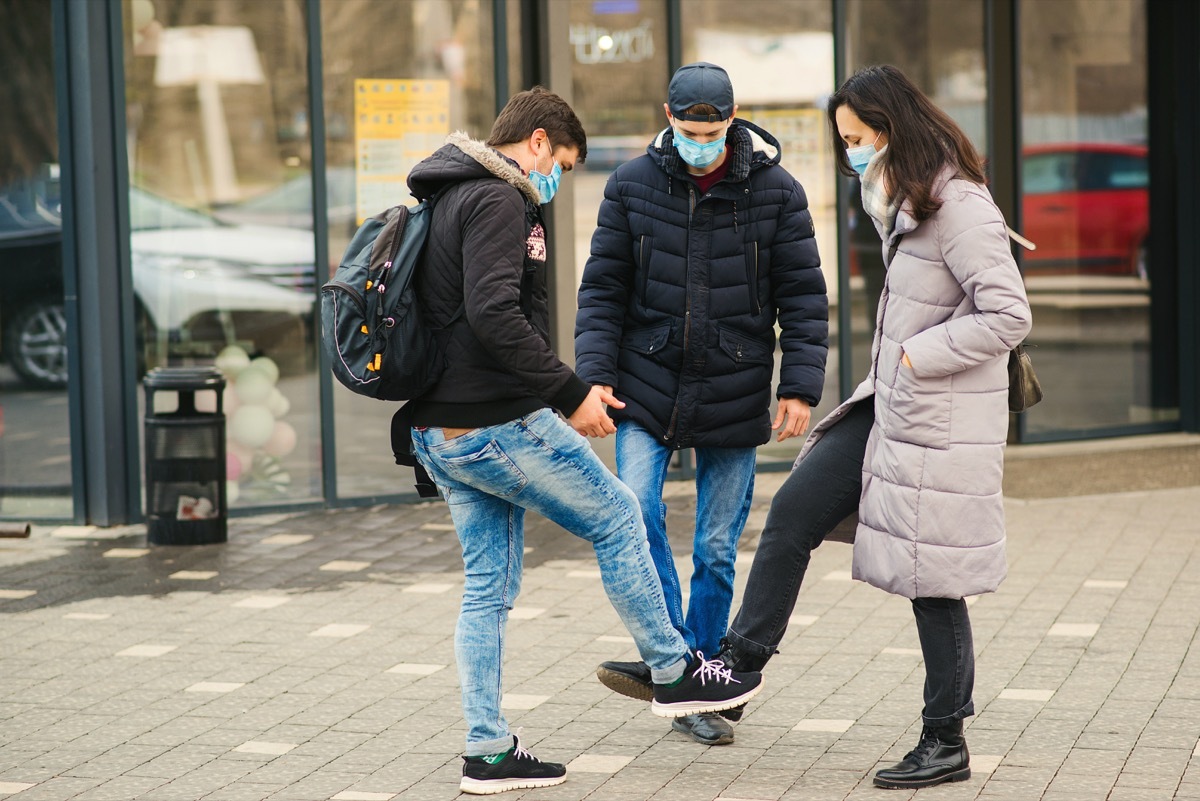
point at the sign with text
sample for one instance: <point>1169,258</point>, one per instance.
<point>396,124</point>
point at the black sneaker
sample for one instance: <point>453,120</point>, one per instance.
<point>515,769</point>
<point>631,679</point>
<point>706,686</point>
<point>741,662</point>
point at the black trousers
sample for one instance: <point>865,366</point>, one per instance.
<point>820,493</point>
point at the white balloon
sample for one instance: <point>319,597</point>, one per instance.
<point>251,425</point>
<point>278,403</point>
<point>253,386</point>
<point>267,366</point>
<point>231,361</point>
<point>230,401</point>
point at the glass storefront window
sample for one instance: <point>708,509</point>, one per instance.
<point>35,441</point>
<point>779,56</point>
<point>619,79</point>
<point>221,232</point>
<point>619,84</point>
<point>1086,204</point>
<point>386,108</point>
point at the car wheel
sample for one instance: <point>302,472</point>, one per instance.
<point>35,343</point>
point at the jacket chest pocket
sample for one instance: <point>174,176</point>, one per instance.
<point>754,269</point>
<point>642,260</point>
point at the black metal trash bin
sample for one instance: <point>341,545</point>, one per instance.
<point>185,459</point>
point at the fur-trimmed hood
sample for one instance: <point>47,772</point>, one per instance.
<point>465,159</point>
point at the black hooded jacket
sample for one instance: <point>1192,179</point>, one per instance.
<point>486,254</point>
<point>683,290</point>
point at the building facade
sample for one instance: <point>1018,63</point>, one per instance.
<point>179,177</point>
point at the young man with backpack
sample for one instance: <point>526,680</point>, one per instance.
<point>703,244</point>
<point>488,434</point>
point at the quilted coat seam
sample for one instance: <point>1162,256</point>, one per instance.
<point>917,523</point>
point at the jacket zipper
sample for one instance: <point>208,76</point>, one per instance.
<point>754,301</point>
<point>687,314</point>
<point>642,264</point>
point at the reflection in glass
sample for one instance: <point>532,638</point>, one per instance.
<point>386,108</point>
<point>35,452</point>
<point>217,101</point>
<point>1085,203</point>
<point>757,42</point>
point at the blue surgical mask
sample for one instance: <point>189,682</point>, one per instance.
<point>860,157</point>
<point>696,154</point>
<point>546,185</point>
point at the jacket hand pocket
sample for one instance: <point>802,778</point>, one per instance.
<point>918,410</point>
<point>744,349</point>
<point>648,341</point>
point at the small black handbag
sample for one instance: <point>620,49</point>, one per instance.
<point>1024,389</point>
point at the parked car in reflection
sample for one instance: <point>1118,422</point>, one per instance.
<point>198,283</point>
<point>290,205</point>
<point>1087,207</point>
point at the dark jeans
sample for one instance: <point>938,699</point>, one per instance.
<point>820,493</point>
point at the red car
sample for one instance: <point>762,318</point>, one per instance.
<point>1086,207</point>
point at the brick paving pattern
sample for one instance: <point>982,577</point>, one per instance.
<point>311,657</point>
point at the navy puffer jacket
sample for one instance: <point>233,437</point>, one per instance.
<point>679,299</point>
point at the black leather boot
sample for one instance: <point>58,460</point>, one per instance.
<point>940,756</point>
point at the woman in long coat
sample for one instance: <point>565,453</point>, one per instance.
<point>918,448</point>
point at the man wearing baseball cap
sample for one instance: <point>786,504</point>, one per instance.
<point>703,245</point>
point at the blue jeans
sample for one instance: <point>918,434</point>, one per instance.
<point>489,477</point>
<point>724,490</point>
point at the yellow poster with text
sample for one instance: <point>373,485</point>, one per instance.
<point>396,124</point>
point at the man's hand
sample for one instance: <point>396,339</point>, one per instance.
<point>797,413</point>
<point>591,418</point>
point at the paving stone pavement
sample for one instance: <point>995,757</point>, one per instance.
<point>311,657</point>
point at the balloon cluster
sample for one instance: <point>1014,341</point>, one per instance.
<point>256,436</point>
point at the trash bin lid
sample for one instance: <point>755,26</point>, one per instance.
<point>184,378</point>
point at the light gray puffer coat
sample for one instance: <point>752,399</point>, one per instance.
<point>931,516</point>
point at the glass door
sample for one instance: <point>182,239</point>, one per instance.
<point>35,438</point>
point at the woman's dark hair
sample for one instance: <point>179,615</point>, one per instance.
<point>535,108</point>
<point>921,138</point>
